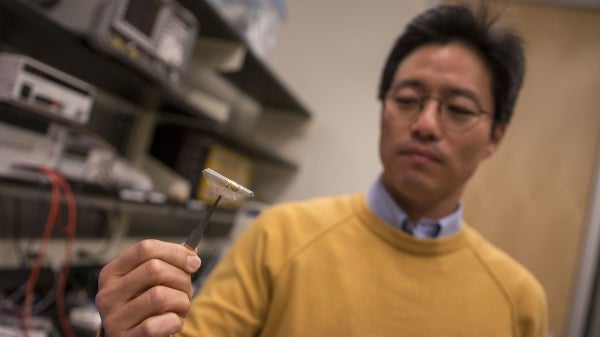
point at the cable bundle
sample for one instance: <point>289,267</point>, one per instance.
<point>58,185</point>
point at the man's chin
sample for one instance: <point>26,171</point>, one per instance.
<point>415,185</point>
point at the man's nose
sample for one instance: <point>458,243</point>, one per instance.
<point>428,124</point>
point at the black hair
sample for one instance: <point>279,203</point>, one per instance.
<point>500,48</point>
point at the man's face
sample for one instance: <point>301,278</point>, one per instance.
<point>426,163</point>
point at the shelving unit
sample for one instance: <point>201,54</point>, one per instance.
<point>255,78</point>
<point>129,110</point>
<point>26,30</point>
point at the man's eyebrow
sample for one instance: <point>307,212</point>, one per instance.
<point>411,83</point>
<point>448,92</point>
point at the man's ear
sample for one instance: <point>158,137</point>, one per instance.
<point>496,137</point>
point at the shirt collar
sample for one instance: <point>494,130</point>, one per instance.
<point>382,203</point>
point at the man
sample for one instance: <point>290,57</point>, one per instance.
<point>398,261</point>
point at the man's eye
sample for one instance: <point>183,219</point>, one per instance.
<point>407,101</point>
<point>460,110</point>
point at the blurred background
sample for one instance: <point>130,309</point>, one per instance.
<point>280,96</point>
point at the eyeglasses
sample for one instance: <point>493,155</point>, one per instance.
<point>458,112</point>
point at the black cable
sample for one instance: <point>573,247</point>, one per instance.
<point>108,226</point>
<point>42,304</point>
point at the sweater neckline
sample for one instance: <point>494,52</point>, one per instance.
<point>405,241</point>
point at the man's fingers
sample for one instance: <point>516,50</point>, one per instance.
<point>155,301</point>
<point>158,326</point>
<point>156,272</point>
<point>147,275</point>
<point>174,254</point>
<point>147,289</point>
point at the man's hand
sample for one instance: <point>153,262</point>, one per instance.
<point>147,290</point>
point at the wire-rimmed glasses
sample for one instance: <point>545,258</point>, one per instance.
<point>457,112</point>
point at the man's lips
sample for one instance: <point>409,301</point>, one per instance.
<point>421,151</point>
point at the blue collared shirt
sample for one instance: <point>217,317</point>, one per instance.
<point>382,203</point>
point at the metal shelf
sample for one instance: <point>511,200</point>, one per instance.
<point>255,77</point>
<point>109,199</point>
<point>244,145</point>
<point>24,30</point>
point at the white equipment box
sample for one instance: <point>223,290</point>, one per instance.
<point>34,86</point>
<point>33,147</point>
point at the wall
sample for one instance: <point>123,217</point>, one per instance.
<point>531,199</point>
<point>331,53</point>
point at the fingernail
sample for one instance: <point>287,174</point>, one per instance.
<point>193,262</point>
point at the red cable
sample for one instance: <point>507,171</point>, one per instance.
<point>70,230</point>
<point>59,184</point>
<point>50,221</point>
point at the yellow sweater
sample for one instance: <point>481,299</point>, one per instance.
<point>331,267</point>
